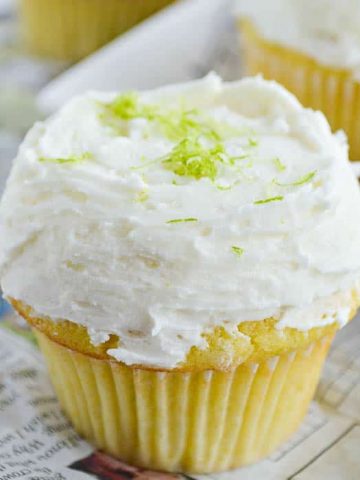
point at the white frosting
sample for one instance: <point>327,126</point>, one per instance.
<point>327,30</point>
<point>76,242</point>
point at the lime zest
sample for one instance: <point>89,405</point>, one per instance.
<point>279,165</point>
<point>252,142</point>
<point>127,107</point>
<point>199,145</point>
<point>192,159</point>
<point>268,200</point>
<point>68,160</point>
<point>244,156</point>
<point>183,220</point>
<point>175,124</point>
<point>142,196</point>
<point>301,181</point>
<point>177,184</point>
<point>224,188</point>
<point>237,250</point>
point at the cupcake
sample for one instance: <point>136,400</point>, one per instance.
<point>312,47</point>
<point>185,257</point>
<point>71,29</point>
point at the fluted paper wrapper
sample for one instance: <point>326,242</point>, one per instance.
<point>71,29</point>
<point>203,421</point>
<point>333,91</point>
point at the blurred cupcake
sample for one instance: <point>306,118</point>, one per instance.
<point>185,257</point>
<point>312,47</point>
<point>71,29</point>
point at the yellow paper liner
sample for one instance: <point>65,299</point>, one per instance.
<point>201,421</point>
<point>71,29</point>
<point>333,91</point>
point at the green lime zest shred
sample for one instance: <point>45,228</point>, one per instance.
<point>279,165</point>
<point>224,188</point>
<point>183,220</point>
<point>174,123</point>
<point>142,196</point>
<point>252,142</point>
<point>199,141</point>
<point>192,159</point>
<point>177,125</point>
<point>237,250</point>
<point>127,107</point>
<point>67,160</point>
<point>301,181</point>
<point>268,200</point>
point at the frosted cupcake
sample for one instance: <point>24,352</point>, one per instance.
<point>71,29</point>
<point>185,257</point>
<point>312,47</point>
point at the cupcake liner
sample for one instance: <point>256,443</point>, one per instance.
<point>200,421</point>
<point>71,29</point>
<point>333,91</point>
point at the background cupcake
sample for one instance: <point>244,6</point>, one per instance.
<point>71,29</point>
<point>312,47</point>
<point>185,257</point>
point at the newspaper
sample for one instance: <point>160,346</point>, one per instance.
<point>37,442</point>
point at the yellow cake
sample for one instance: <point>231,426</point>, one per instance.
<point>185,257</point>
<point>71,29</point>
<point>311,48</point>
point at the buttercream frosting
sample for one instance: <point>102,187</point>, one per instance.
<point>327,30</point>
<point>104,223</point>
